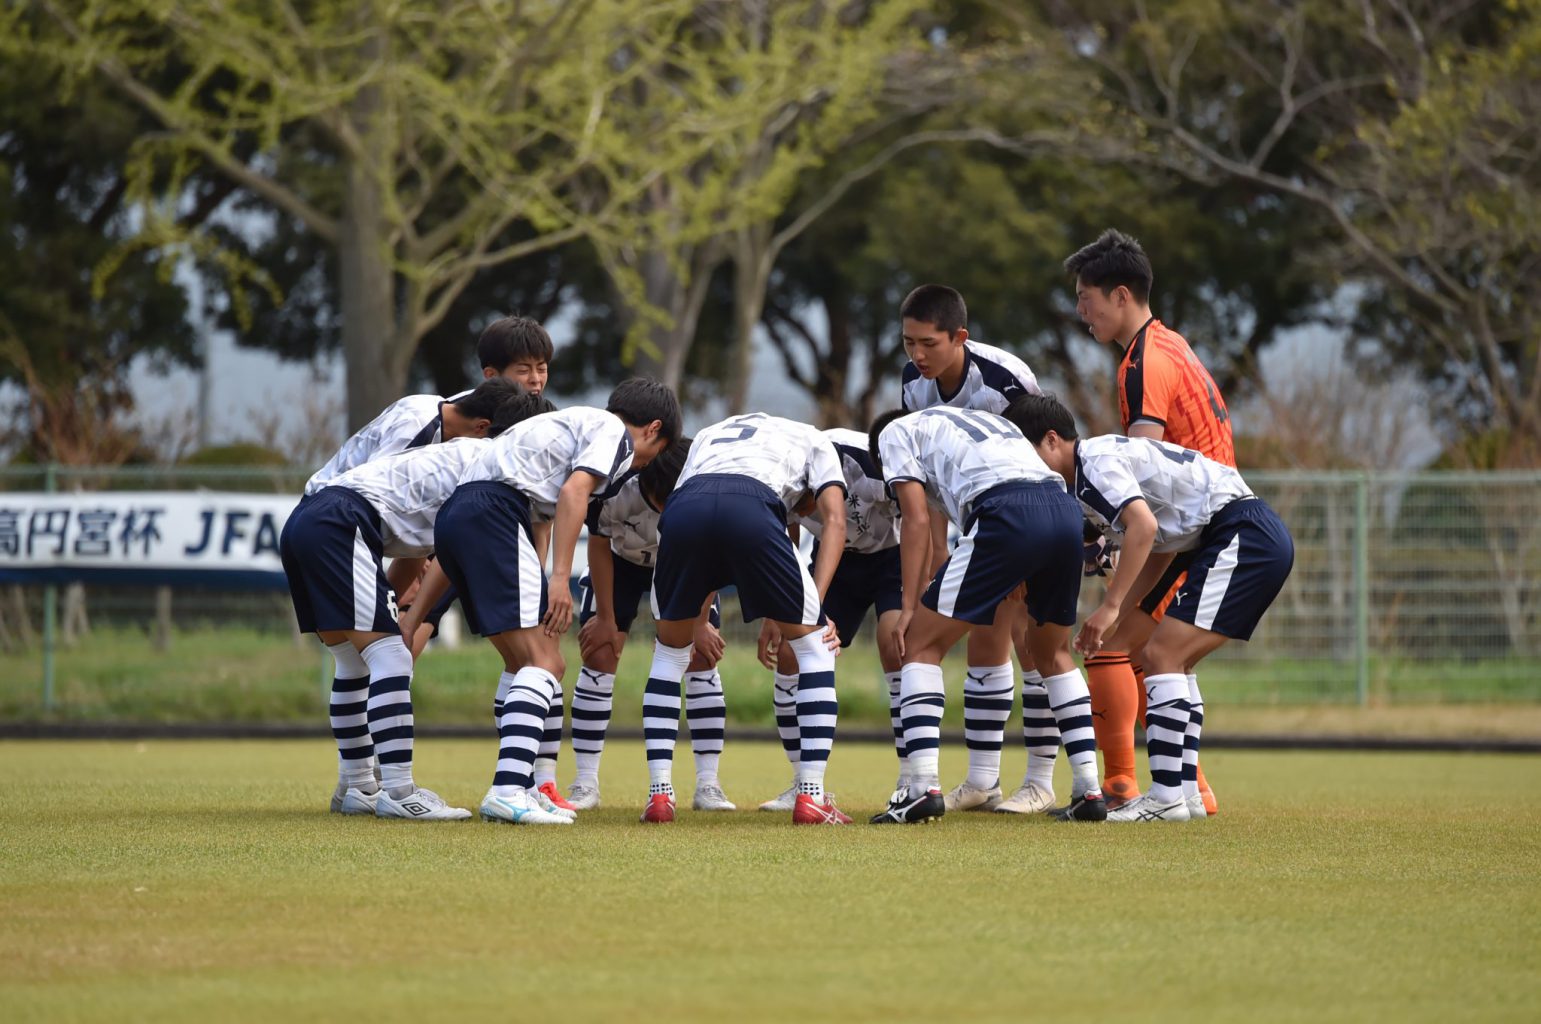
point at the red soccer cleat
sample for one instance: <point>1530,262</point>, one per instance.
<point>549,789</point>
<point>659,809</point>
<point>808,811</point>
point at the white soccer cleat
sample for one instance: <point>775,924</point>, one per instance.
<point>582,796</point>
<point>1030,799</point>
<point>710,797</point>
<point>418,805</point>
<point>356,801</point>
<point>520,809</point>
<point>1196,807</point>
<point>1146,809</point>
<point>785,802</point>
<point>550,807</point>
<point>966,796</point>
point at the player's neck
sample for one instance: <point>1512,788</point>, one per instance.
<point>951,379</point>
<point>1136,322</point>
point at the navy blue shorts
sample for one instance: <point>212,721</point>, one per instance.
<point>483,542</point>
<point>862,581</point>
<point>1244,556</point>
<point>1017,533</point>
<point>721,528</point>
<point>632,581</point>
<point>331,549</point>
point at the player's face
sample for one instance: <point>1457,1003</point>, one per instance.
<point>646,444</point>
<point>931,349</point>
<point>1106,314</point>
<point>528,373</point>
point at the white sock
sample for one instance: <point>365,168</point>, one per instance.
<point>894,681</point>
<point>593,697</point>
<point>784,702</point>
<point>818,711</point>
<point>1166,723</point>
<point>1071,702</point>
<point>661,714</point>
<point>1040,732</point>
<point>390,712</point>
<point>706,714</point>
<point>922,698</point>
<point>987,698</point>
<point>1192,736</point>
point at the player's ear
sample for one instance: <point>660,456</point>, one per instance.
<point>960,335</point>
<point>480,426</point>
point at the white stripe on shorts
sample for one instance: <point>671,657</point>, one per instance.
<point>1216,584</point>
<point>531,576</point>
<point>811,606</point>
<point>364,589</point>
<point>957,568</point>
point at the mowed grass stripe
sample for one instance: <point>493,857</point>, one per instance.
<point>176,881</point>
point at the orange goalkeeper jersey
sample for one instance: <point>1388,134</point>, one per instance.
<point>1161,380</point>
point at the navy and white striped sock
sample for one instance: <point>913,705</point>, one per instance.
<point>1166,725</point>
<point>922,698</point>
<point>818,710</point>
<point>784,701</point>
<point>550,739</point>
<point>986,706</point>
<point>390,712</point>
<point>661,714</point>
<point>349,715</point>
<point>519,731</point>
<point>894,681</point>
<point>706,715</point>
<point>593,697</point>
<point>505,681</point>
<point>1191,737</point>
<point>1040,732</point>
<point>1071,702</point>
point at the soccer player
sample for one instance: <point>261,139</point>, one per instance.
<point>867,578</point>
<point>623,545</point>
<point>547,467</point>
<point>332,546</point>
<point>1164,500</point>
<point>726,522</point>
<point>518,348</point>
<point>1164,393</point>
<point>948,369</point>
<point>1020,529</point>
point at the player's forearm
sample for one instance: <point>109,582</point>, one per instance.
<point>540,533</point>
<point>402,572</point>
<point>602,576</point>
<point>937,539</point>
<point>1133,556</point>
<point>571,507</point>
<point>914,557</point>
<point>830,550</point>
<point>434,586</point>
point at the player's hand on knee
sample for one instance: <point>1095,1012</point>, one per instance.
<point>902,626</point>
<point>709,645</point>
<point>769,644</point>
<point>1096,629</point>
<point>831,635</point>
<point>597,634</point>
<point>559,612</point>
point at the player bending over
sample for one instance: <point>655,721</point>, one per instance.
<point>623,545</point>
<point>1164,500</point>
<point>549,466</point>
<point>332,546</point>
<point>1019,527</point>
<point>726,523</point>
<point>866,578</point>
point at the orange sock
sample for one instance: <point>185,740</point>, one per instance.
<point>1139,688</point>
<point>1111,681</point>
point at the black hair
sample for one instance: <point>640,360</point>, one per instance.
<point>641,400</point>
<point>883,420</point>
<point>936,304</point>
<point>483,401</point>
<point>516,408</point>
<point>1113,259</point>
<point>1036,415</point>
<point>658,478</point>
<point>513,339</point>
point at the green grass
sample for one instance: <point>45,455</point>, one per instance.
<point>243,675</point>
<point>203,881</point>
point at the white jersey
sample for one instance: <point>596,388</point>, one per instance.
<point>957,455</point>
<point>992,379</point>
<point>410,423</point>
<point>791,458</point>
<point>408,489</point>
<point>630,521</point>
<point>871,517</point>
<point>535,457</point>
<point>1183,488</point>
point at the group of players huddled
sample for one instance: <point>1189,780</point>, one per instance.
<point>468,495</point>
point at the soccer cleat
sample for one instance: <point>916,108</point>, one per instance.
<point>1211,805</point>
<point>356,801</point>
<point>659,809</point>
<point>1030,799</point>
<point>549,791</point>
<point>785,802</point>
<point>967,797</point>
<point>582,796</point>
<point>546,804</point>
<point>1118,790</point>
<point>418,805</point>
<point>710,797</point>
<point>523,808</point>
<point>910,806</point>
<point>808,811</point>
<point>1196,808</point>
<point>1146,809</point>
<point>1089,806</point>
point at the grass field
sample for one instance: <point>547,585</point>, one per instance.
<point>203,881</point>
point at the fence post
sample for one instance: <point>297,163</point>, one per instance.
<point>50,607</point>
<point>1362,588</point>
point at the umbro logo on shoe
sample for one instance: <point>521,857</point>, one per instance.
<point>413,807</point>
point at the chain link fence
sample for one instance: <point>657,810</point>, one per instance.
<point>1421,587</point>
